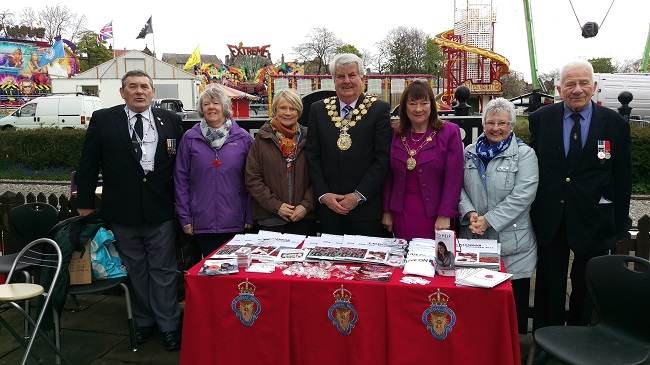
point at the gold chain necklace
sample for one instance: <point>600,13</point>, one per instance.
<point>410,162</point>
<point>419,139</point>
<point>345,142</point>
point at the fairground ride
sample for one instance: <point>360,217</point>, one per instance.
<point>468,52</point>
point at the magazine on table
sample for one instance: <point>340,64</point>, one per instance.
<point>481,253</point>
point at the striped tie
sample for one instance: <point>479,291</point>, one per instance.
<point>346,111</point>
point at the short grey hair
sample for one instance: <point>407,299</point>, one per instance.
<point>215,93</point>
<point>500,106</point>
<point>136,73</point>
<point>346,60</point>
<point>577,64</point>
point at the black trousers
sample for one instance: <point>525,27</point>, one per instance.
<point>551,284</point>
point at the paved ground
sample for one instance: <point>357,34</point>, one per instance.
<point>98,335</point>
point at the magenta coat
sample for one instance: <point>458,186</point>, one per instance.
<point>440,171</point>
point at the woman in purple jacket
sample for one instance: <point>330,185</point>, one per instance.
<point>422,190</point>
<point>211,199</point>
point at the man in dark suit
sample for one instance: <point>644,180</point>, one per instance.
<point>134,145</point>
<point>583,197</point>
<point>348,143</point>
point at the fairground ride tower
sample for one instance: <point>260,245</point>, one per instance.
<point>469,55</point>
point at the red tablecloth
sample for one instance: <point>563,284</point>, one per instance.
<point>380,323</point>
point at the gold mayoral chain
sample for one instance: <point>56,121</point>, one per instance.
<point>345,142</point>
<point>410,162</point>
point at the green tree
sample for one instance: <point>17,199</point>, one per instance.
<point>348,48</point>
<point>90,54</point>
<point>406,50</point>
<point>433,61</point>
<point>603,65</point>
<point>513,84</point>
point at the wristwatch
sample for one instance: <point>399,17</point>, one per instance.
<point>358,197</point>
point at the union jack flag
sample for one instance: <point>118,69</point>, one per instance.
<point>105,33</point>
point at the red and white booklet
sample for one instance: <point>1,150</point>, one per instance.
<point>480,277</point>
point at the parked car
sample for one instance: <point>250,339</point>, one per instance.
<point>63,111</point>
<point>176,106</point>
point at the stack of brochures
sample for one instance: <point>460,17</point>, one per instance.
<point>480,277</point>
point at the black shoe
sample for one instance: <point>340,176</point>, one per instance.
<point>172,340</point>
<point>142,334</point>
<point>540,357</point>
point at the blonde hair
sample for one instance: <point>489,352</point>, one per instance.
<point>291,96</point>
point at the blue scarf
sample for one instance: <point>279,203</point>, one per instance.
<point>487,152</point>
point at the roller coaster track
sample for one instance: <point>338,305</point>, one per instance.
<point>502,63</point>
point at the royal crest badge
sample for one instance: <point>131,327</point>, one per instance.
<point>246,307</point>
<point>438,318</point>
<point>342,313</point>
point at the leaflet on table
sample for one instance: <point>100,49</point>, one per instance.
<point>477,253</point>
<point>219,267</point>
<point>326,248</point>
<point>480,277</point>
<point>292,254</point>
<point>261,244</point>
<point>369,272</point>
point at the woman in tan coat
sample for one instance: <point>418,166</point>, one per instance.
<point>276,170</point>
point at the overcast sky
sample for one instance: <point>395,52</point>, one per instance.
<point>180,26</point>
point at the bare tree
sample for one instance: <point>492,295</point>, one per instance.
<point>379,61</point>
<point>7,19</point>
<point>57,20</point>
<point>548,80</point>
<point>320,48</point>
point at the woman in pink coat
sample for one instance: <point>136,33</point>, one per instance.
<point>422,190</point>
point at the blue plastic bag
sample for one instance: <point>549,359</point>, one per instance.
<point>106,262</point>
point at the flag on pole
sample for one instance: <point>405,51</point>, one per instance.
<point>105,33</point>
<point>53,53</point>
<point>195,59</point>
<point>148,28</point>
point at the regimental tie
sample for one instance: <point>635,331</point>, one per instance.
<point>575,140</point>
<point>137,136</point>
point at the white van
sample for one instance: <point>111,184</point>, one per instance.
<point>63,111</point>
<point>610,85</point>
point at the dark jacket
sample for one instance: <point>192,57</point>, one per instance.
<point>595,195</point>
<point>129,196</point>
<point>267,178</point>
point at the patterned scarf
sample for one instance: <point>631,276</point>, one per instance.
<point>215,137</point>
<point>286,143</point>
<point>487,152</point>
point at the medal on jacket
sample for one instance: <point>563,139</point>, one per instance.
<point>171,146</point>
